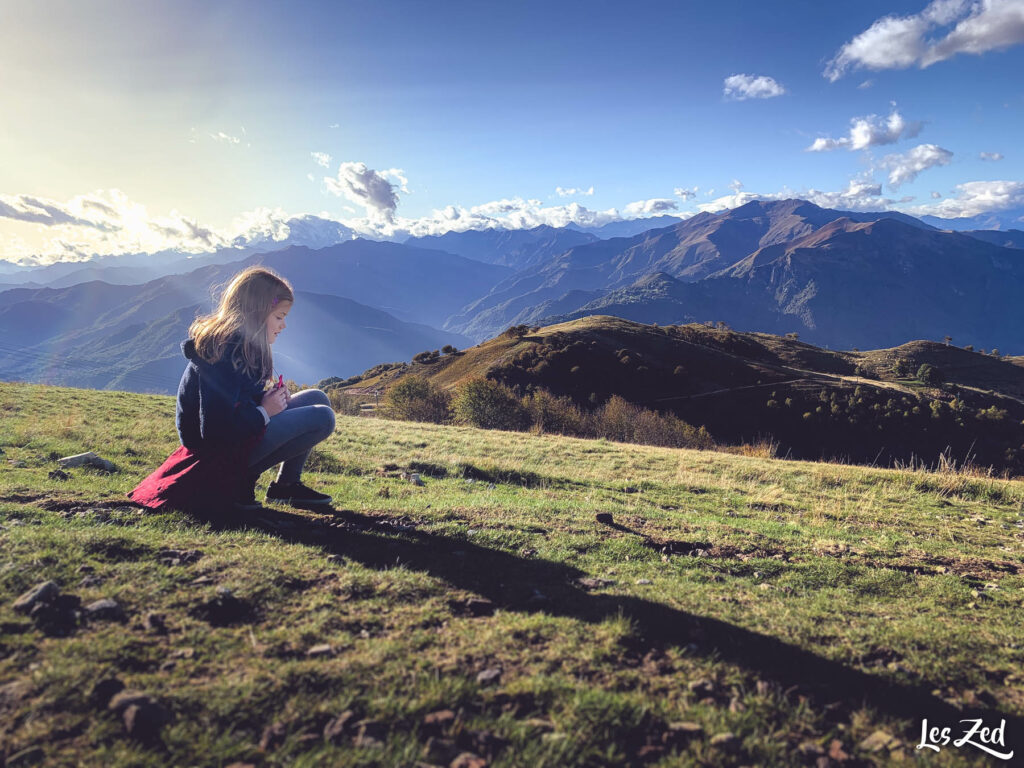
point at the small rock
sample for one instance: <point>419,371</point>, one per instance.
<point>178,556</point>
<point>29,756</point>
<point>104,691</point>
<point>604,517</point>
<point>468,760</point>
<point>438,721</point>
<point>324,649</point>
<point>58,618</point>
<point>144,720</point>
<point>682,732</point>
<point>90,581</point>
<point>726,742</point>
<point>58,474</point>
<point>480,606</point>
<point>877,741</point>
<point>16,463</point>
<point>644,582</point>
<point>86,459</point>
<point>489,675</point>
<point>336,730</point>
<point>589,582</point>
<point>155,623</point>
<point>104,610</point>
<point>41,593</point>
<point>121,701</point>
<point>273,736</point>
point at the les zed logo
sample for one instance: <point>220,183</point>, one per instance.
<point>933,738</point>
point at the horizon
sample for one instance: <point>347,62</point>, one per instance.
<point>174,130</point>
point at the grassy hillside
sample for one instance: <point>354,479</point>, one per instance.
<point>735,611</point>
<point>859,407</point>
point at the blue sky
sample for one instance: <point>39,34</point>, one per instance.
<point>136,125</point>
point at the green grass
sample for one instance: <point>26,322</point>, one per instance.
<point>790,604</point>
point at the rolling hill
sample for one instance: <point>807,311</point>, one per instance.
<point>860,407</point>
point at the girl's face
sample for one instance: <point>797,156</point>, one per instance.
<point>275,323</point>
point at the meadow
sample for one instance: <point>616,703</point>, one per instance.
<point>538,600</point>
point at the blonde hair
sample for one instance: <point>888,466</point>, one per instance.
<point>242,314</point>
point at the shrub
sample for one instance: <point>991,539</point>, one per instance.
<point>928,374</point>
<point>516,331</point>
<point>414,398</point>
<point>555,414</point>
<point>992,413</point>
<point>343,402</point>
<point>426,356</point>
<point>490,405</point>
<point>330,381</point>
<point>448,349</point>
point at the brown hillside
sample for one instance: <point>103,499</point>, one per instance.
<point>745,387</point>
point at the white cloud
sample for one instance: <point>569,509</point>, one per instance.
<point>936,195</point>
<point>898,42</point>
<point>742,87</point>
<point>574,191</point>
<point>652,207</point>
<point>870,131</point>
<point>994,156</point>
<point>905,167</point>
<point>686,194</point>
<point>976,197</point>
<point>321,158</point>
<point>735,200</point>
<point>369,188</point>
<point>861,194</point>
<point>225,138</point>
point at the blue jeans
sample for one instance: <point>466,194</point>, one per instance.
<point>291,435</point>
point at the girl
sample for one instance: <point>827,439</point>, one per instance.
<point>231,426</point>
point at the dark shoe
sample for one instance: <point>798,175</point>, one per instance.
<point>296,494</point>
<point>246,502</point>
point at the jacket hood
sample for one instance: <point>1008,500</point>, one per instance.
<point>188,349</point>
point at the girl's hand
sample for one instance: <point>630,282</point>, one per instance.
<point>275,401</point>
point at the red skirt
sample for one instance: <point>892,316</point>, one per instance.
<point>191,481</point>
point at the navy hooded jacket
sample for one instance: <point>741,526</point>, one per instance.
<point>217,405</point>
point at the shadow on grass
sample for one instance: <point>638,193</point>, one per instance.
<point>528,584</point>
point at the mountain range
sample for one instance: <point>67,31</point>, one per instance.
<point>837,278</point>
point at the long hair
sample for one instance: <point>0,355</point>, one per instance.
<point>242,316</point>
